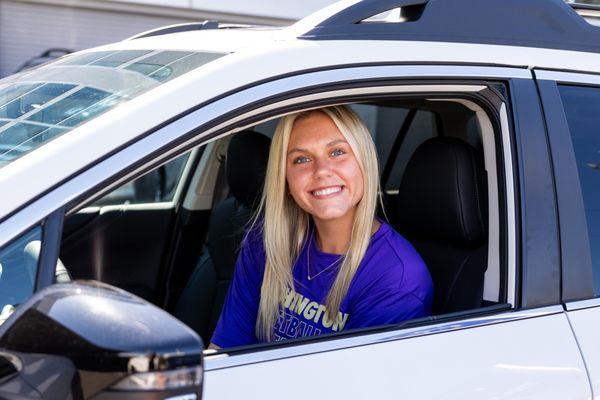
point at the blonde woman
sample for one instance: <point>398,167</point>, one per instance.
<point>316,259</point>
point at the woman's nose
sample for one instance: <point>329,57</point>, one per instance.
<point>322,168</point>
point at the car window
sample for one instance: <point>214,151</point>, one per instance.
<point>582,108</point>
<point>384,123</point>
<point>158,185</point>
<point>39,105</point>
<point>423,127</point>
<point>18,270</point>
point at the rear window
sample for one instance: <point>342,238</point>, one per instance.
<point>39,105</point>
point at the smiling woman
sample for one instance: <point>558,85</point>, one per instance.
<point>316,259</point>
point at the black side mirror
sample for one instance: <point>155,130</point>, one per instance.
<point>88,339</point>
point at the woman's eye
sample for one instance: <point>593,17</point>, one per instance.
<point>337,152</point>
<point>301,160</point>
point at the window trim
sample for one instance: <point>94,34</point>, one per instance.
<point>336,97</point>
<point>576,261</point>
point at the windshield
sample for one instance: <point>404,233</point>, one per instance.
<point>39,105</point>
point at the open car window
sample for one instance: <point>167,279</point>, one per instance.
<point>197,261</point>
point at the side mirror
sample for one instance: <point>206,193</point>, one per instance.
<point>87,339</point>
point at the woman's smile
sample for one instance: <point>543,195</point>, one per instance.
<point>327,192</point>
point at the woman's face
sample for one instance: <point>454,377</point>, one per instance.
<point>322,173</point>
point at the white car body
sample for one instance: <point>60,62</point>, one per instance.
<point>548,351</point>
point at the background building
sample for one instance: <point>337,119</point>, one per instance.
<point>30,27</point>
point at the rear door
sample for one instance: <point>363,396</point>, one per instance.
<point>572,105</point>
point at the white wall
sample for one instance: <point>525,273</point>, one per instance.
<point>28,29</point>
<point>290,9</point>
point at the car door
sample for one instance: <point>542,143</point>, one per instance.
<point>572,105</point>
<point>526,351</point>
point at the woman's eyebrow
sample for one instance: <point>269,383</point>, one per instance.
<point>296,149</point>
<point>336,142</point>
<point>300,150</point>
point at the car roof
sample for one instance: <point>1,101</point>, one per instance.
<point>209,40</point>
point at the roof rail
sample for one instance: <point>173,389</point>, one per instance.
<point>582,6</point>
<point>532,23</point>
<point>186,27</point>
<point>589,12</point>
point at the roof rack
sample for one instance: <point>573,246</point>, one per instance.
<point>589,12</point>
<point>186,27</point>
<point>532,23</point>
<point>582,6</point>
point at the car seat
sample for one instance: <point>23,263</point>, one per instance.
<point>442,209</point>
<point>202,299</point>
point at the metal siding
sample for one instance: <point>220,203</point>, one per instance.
<point>27,30</point>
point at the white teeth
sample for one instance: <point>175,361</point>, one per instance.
<point>326,191</point>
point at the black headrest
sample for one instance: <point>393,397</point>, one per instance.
<point>247,157</point>
<point>443,193</point>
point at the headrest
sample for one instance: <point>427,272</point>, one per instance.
<point>247,157</point>
<point>443,194</point>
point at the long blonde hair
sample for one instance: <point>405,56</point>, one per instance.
<point>285,224</point>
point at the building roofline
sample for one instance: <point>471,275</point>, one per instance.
<point>187,14</point>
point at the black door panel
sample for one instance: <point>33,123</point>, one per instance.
<point>124,247</point>
<point>76,221</point>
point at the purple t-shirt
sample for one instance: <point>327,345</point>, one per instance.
<point>392,284</point>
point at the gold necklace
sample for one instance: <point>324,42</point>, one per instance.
<point>310,278</point>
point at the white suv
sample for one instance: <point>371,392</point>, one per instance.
<point>133,168</point>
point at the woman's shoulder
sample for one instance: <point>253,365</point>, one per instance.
<point>391,248</point>
<point>392,258</point>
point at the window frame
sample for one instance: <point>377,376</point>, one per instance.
<point>234,112</point>
<point>577,276</point>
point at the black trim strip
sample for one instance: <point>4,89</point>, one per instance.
<point>576,261</point>
<point>51,237</point>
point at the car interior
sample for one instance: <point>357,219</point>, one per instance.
<point>172,235</point>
